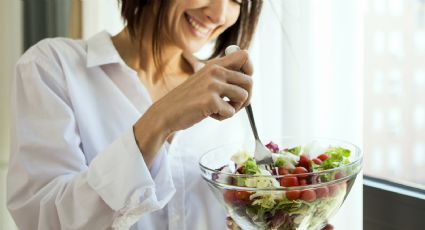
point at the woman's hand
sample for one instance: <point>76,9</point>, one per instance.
<point>202,94</point>
<point>231,225</point>
<point>199,97</point>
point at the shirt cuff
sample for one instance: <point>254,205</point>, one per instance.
<point>121,177</point>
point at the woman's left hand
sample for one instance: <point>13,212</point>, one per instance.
<point>231,225</point>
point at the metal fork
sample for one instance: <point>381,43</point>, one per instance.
<point>261,155</point>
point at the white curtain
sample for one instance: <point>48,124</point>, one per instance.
<point>100,15</point>
<point>11,45</point>
<point>308,77</point>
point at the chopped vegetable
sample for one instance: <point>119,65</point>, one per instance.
<point>274,209</point>
<point>296,150</point>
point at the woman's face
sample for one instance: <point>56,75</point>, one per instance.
<point>193,23</point>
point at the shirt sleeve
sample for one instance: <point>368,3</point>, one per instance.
<point>49,184</point>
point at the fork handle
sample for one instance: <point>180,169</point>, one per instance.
<point>248,110</point>
<point>229,50</point>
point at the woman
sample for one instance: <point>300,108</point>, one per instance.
<point>96,141</point>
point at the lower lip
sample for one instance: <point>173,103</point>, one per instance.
<point>194,31</point>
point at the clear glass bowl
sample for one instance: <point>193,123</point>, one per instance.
<point>301,207</point>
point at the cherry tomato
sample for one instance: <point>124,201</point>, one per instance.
<point>322,192</point>
<point>323,157</point>
<point>229,196</point>
<point>304,161</point>
<point>241,170</point>
<point>333,189</point>
<point>339,175</point>
<point>317,161</point>
<point>242,195</point>
<point>300,170</point>
<point>293,195</point>
<point>302,182</point>
<point>283,171</point>
<point>289,181</point>
<point>308,195</point>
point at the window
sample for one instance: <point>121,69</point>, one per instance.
<point>394,110</point>
<point>394,130</point>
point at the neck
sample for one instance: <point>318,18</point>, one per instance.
<point>137,53</point>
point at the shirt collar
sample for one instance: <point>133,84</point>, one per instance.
<point>101,51</point>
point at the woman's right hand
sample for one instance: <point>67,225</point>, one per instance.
<point>199,97</point>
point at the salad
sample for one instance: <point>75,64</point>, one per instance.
<point>295,192</point>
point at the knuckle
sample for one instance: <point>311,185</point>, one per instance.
<point>213,86</point>
<point>216,70</point>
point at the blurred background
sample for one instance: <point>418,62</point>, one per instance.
<point>351,69</point>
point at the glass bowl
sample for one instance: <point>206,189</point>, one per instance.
<point>298,207</point>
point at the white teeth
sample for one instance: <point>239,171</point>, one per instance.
<point>197,26</point>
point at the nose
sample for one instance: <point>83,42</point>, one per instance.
<point>216,11</point>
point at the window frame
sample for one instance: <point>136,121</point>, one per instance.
<point>389,205</point>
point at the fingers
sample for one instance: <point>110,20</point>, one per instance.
<point>223,110</point>
<point>231,225</point>
<point>328,227</point>
<point>237,61</point>
<point>237,95</point>
<point>242,80</point>
<point>230,78</point>
<point>234,85</point>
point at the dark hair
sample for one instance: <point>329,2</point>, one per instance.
<point>241,33</point>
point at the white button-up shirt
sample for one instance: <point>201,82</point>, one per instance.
<point>74,161</point>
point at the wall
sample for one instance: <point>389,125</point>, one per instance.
<point>10,50</point>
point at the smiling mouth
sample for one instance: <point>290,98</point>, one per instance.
<point>200,29</point>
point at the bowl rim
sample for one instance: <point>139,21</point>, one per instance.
<point>357,162</point>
